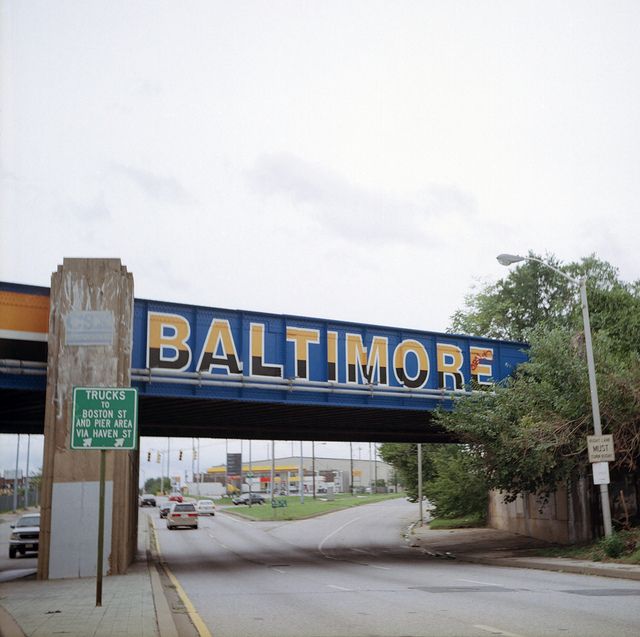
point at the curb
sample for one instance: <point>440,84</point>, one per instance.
<point>562,567</point>
<point>8,625</point>
<point>164,616</point>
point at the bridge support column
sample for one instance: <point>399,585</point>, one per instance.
<point>70,479</point>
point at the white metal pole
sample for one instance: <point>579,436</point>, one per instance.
<point>421,513</point>
<point>351,467</point>
<point>301,474</point>
<point>370,472</point>
<point>375,464</point>
<point>198,465</point>
<point>26,490</point>
<point>313,469</point>
<point>273,468</point>
<point>250,476</point>
<point>595,403</point>
<point>169,463</point>
<point>15,477</point>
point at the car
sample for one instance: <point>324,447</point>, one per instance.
<point>182,514</point>
<point>256,498</point>
<point>176,497</point>
<point>25,536</point>
<point>206,507</point>
<point>146,500</point>
<point>164,510</point>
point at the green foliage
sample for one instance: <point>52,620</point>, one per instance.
<point>452,478</point>
<point>153,485</point>
<point>613,546</point>
<point>458,488</point>
<point>530,433</point>
<point>404,458</point>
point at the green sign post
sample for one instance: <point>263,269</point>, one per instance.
<point>104,418</point>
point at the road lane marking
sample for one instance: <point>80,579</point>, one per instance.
<point>198,623</point>
<point>496,631</point>
<point>475,581</point>
<point>330,557</point>
<point>340,588</point>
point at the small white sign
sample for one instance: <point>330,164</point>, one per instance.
<point>601,473</point>
<point>89,328</point>
<point>601,448</point>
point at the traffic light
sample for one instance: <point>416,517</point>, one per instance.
<point>195,454</point>
<point>158,458</point>
<point>148,456</point>
<point>180,455</point>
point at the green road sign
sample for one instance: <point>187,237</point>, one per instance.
<point>104,418</point>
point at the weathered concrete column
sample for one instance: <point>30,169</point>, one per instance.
<point>82,356</point>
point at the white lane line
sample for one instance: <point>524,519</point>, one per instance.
<point>496,631</point>
<point>475,581</point>
<point>331,535</point>
<point>277,570</point>
<point>340,588</point>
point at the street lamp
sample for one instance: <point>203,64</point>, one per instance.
<point>508,259</point>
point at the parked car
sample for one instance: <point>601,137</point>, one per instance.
<point>25,536</point>
<point>175,497</point>
<point>206,507</point>
<point>146,500</point>
<point>256,498</point>
<point>182,514</point>
<point>164,510</point>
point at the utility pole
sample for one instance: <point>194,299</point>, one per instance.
<point>26,490</point>
<point>301,485</point>
<point>15,478</point>
<point>351,464</point>
<point>313,467</point>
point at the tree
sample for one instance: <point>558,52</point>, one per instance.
<point>528,296</point>
<point>153,485</point>
<point>531,432</point>
<point>404,458</point>
<point>458,487</point>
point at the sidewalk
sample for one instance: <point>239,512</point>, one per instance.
<point>500,548</point>
<point>133,605</point>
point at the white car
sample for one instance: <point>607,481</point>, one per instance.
<point>182,514</point>
<point>206,507</point>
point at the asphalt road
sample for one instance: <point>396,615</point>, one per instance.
<point>351,574</point>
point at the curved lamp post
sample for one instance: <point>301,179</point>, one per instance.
<point>508,259</point>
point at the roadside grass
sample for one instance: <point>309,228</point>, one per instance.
<point>467,522</point>
<point>623,548</point>
<point>296,510</point>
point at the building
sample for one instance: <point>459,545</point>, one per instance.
<point>320,475</point>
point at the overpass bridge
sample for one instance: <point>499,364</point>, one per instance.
<point>213,372</point>
<point>205,371</point>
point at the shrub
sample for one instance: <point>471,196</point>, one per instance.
<point>613,546</point>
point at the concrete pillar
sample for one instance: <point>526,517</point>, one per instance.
<point>70,478</point>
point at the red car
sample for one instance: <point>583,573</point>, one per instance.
<point>175,497</point>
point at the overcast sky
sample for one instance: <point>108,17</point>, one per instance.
<point>353,160</point>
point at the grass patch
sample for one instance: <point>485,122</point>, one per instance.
<point>623,548</point>
<point>296,510</point>
<point>467,522</point>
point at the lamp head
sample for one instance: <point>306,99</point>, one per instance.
<point>508,259</point>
